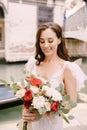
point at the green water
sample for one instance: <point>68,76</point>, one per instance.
<point>8,70</point>
<point>15,70</point>
<point>10,114</point>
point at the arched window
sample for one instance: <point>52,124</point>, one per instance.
<point>1,13</point>
<point>1,28</point>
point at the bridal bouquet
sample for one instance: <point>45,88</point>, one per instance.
<point>37,94</point>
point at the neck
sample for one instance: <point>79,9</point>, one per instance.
<point>53,58</point>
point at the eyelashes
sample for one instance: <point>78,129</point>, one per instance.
<point>49,41</point>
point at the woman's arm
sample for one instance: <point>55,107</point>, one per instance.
<point>70,84</point>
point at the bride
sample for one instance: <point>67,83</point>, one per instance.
<point>52,63</point>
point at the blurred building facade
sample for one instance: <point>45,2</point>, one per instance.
<point>19,20</point>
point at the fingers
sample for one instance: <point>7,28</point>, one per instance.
<point>30,116</point>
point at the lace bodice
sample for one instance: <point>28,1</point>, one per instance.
<point>56,78</point>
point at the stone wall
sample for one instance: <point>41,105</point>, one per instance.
<point>76,48</point>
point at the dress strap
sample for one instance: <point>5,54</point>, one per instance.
<point>64,66</point>
<point>30,64</point>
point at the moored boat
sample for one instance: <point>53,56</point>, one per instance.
<point>7,98</point>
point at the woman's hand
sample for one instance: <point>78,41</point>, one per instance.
<point>30,115</point>
<point>33,115</point>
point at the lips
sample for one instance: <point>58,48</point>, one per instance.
<point>46,50</point>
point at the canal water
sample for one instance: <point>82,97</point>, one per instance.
<point>8,70</point>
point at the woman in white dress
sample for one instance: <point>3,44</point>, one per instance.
<point>52,63</point>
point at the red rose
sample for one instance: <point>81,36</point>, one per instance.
<point>35,82</point>
<point>55,106</point>
<point>28,95</point>
<point>27,104</point>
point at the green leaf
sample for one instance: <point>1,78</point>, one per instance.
<point>14,91</point>
<point>60,88</point>
<point>15,86</point>
<point>57,88</point>
<point>72,104</point>
<point>31,108</point>
<point>59,112</point>
<point>39,116</point>
<point>4,82</point>
<point>65,111</point>
<point>24,71</point>
<point>66,97</point>
<point>70,117</point>
<point>42,110</point>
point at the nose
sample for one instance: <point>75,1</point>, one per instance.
<point>46,44</point>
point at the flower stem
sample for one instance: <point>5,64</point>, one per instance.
<point>25,125</point>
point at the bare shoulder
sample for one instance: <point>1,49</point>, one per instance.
<point>68,69</point>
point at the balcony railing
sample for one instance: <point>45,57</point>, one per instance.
<point>76,25</point>
<point>77,21</point>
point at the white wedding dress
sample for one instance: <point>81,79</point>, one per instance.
<point>54,122</point>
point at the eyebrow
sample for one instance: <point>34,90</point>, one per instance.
<point>48,38</point>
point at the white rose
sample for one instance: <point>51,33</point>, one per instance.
<point>48,106</point>
<point>20,93</point>
<point>56,96</point>
<point>34,89</point>
<point>48,90</point>
<point>38,102</point>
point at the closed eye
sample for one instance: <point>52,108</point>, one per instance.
<point>42,41</point>
<point>50,40</point>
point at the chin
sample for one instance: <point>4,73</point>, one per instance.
<point>48,54</point>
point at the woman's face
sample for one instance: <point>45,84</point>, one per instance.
<point>49,42</point>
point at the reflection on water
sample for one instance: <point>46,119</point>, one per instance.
<point>15,69</point>
<point>8,70</point>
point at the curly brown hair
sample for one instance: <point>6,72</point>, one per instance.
<point>61,50</point>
